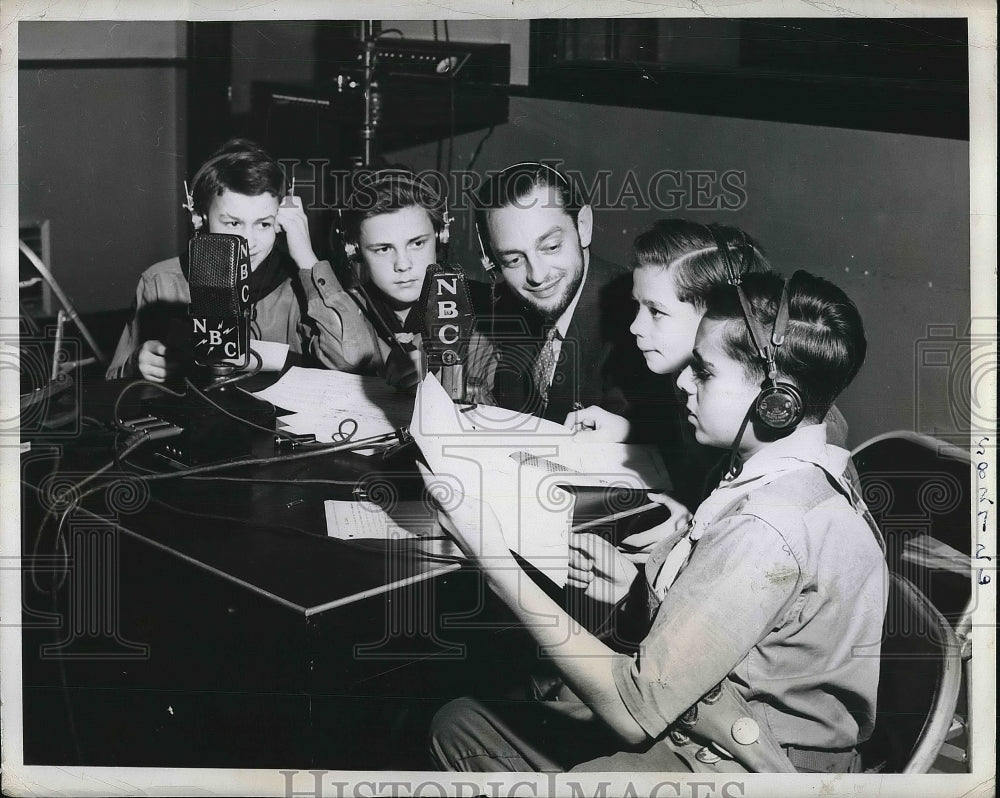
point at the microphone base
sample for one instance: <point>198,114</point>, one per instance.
<point>203,373</point>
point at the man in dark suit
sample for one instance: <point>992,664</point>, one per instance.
<point>561,317</point>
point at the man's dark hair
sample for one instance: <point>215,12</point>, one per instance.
<point>241,166</point>
<point>824,345</point>
<point>511,186</point>
<point>690,252</point>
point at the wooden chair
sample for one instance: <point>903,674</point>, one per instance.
<point>918,490</point>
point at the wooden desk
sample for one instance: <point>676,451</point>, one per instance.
<point>214,623</point>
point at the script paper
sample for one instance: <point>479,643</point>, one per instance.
<point>321,399</point>
<point>514,463</point>
<point>272,355</point>
<point>406,521</point>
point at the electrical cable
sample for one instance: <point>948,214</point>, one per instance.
<point>219,517</point>
<point>72,492</point>
<point>275,480</point>
<point>361,443</point>
<point>358,544</point>
<point>204,397</point>
<point>451,125</point>
<point>71,313</point>
<point>479,148</point>
<point>242,375</point>
<point>735,467</point>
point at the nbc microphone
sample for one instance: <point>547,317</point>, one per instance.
<point>448,324</point>
<point>219,278</point>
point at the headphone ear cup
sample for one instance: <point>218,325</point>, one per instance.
<point>444,234</point>
<point>779,406</point>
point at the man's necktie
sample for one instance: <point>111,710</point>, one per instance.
<point>545,365</point>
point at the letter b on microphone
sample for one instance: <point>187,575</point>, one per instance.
<point>219,278</point>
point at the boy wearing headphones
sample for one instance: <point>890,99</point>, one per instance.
<point>394,226</point>
<point>675,265</point>
<point>237,191</point>
<point>775,591</point>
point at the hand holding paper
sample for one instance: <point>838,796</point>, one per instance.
<point>680,519</point>
<point>600,569</point>
<point>501,503</point>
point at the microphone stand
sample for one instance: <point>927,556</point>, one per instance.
<point>67,314</point>
<point>373,99</point>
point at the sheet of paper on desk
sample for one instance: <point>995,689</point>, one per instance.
<point>321,398</point>
<point>534,513</point>
<point>347,520</point>
<point>618,464</point>
<point>272,354</point>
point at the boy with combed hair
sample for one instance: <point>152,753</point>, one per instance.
<point>772,591</point>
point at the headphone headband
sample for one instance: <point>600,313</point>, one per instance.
<point>779,405</point>
<point>233,149</point>
<point>484,205</point>
<point>736,280</point>
<point>404,177</point>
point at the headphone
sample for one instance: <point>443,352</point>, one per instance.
<point>779,405</point>
<point>197,220</point>
<point>489,266</point>
<point>442,233</point>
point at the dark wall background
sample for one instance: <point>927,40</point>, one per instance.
<point>101,109</point>
<point>884,215</point>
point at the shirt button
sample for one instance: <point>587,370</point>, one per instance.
<point>713,695</point>
<point>746,731</point>
<point>321,281</point>
<point>690,718</point>
<point>679,737</point>
<point>707,757</point>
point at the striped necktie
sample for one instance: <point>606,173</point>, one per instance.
<point>545,365</point>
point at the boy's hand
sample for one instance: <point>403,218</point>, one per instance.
<point>679,521</point>
<point>153,363</point>
<point>598,568</point>
<point>292,221</point>
<point>597,424</point>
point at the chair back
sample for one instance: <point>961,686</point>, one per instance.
<point>918,491</point>
<point>919,681</point>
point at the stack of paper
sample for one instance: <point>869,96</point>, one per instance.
<point>321,399</point>
<point>515,463</point>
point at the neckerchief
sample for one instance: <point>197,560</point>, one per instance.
<point>403,332</point>
<point>269,275</point>
<point>805,448</point>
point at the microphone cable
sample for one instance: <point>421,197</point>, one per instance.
<point>735,467</point>
<point>72,493</point>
